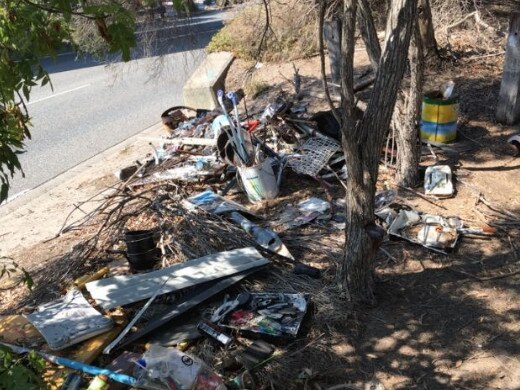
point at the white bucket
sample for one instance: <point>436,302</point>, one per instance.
<point>260,182</point>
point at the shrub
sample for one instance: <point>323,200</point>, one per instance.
<point>292,33</point>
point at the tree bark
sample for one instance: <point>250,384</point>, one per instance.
<point>362,143</point>
<point>368,32</point>
<point>508,107</point>
<point>332,35</point>
<point>408,141</point>
<point>429,43</point>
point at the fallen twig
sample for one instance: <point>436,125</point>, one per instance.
<point>484,56</point>
<point>422,196</point>
<point>487,278</point>
<point>459,22</point>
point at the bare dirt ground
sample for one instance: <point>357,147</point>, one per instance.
<point>440,322</point>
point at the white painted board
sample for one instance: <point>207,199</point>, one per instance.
<point>122,290</point>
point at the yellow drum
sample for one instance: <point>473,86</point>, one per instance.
<point>439,118</point>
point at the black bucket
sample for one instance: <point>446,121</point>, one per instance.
<point>141,251</point>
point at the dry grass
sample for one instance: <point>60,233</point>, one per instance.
<point>255,87</point>
<point>469,37</point>
<point>291,33</point>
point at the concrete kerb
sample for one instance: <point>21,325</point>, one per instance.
<point>38,214</point>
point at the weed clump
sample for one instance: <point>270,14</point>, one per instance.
<point>291,33</point>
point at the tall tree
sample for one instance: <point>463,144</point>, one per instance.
<point>407,123</point>
<point>29,31</point>
<point>427,31</point>
<point>332,33</point>
<point>362,141</point>
<point>508,107</point>
<point>369,32</point>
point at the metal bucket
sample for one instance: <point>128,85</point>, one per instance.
<point>259,182</point>
<point>439,118</point>
<point>141,251</point>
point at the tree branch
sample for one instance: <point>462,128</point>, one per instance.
<point>266,29</point>
<point>53,10</point>
<point>322,62</point>
<point>347,67</point>
<point>368,32</point>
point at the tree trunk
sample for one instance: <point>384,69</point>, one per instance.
<point>408,141</point>
<point>429,43</point>
<point>508,108</point>
<point>368,32</point>
<point>363,142</point>
<point>332,36</point>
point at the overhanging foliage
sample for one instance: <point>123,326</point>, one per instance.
<point>29,31</point>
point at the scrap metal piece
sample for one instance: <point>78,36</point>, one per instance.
<point>266,238</point>
<point>122,290</point>
<point>431,231</point>
<point>69,320</point>
<point>314,155</point>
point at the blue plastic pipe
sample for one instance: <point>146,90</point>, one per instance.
<point>75,365</point>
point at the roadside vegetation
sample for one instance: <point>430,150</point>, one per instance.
<point>290,33</point>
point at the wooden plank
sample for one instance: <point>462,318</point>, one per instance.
<point>508,107</point>
<point>17,329</point>
<point>122,290</point>
<point>85,352</point>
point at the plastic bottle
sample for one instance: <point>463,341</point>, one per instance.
<point>100,382</point>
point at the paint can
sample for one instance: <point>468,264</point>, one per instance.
<point>439,118</point>
<point>259,181</point>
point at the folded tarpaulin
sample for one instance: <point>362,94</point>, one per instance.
<point>122,290</point>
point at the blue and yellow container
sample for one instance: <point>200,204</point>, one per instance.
<point>439,118</point>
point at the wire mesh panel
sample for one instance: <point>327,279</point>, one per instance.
<point>314,155</point>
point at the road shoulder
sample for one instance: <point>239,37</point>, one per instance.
<point>38,215</point>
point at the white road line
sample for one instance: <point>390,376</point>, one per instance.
<point>68,53</point>
<point>189,35</point>
<point>58,94</point>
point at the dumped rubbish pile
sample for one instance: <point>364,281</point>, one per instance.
<point>183,238</point>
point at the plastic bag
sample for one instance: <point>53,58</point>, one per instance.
<point>169,368</point>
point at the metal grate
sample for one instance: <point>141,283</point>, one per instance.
<point>314,155</point>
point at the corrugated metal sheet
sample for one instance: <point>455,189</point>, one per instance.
<point>122,290</point>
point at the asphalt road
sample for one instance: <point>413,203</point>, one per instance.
<point>95,105</point>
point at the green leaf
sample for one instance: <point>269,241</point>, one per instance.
<point>4,189</point>
<point>27,34</point>
<point>45,80</point>
<point>27,279</point>
<point>26,91</point>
